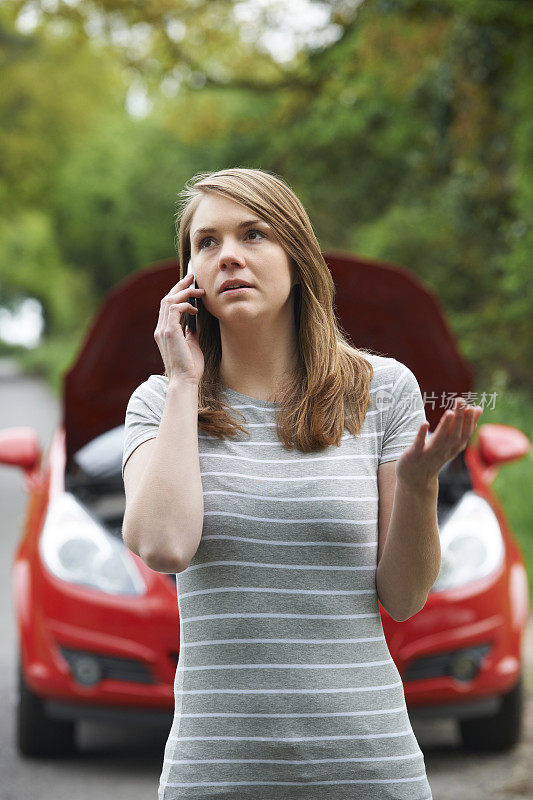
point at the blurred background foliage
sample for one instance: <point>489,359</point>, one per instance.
<point>406,128</point>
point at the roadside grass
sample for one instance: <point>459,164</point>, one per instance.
<point>514,482</point>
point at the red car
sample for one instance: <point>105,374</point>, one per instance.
<point>98,630</point>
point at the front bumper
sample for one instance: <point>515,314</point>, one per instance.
<point>469,709</point>
<point>148,717</point>
<point>159,718</point>
<point>461,652</point>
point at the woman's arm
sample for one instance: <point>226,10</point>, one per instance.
<point>409,551</point>
<point>164,513</point>
<point>410,556</point>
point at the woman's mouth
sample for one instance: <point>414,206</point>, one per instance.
<point>238,290</point>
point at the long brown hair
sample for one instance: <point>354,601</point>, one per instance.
<point>332,375</point>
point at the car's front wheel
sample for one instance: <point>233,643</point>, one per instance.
<point>500,731</point>
<point>37,734</point>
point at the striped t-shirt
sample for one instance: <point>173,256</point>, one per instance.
<point>285,687</point>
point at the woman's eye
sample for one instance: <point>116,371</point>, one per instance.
<point>207,238</point>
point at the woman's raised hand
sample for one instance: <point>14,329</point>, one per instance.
<point>181,354</point>
<point>421,463</point>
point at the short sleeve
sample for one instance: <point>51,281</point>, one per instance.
<point>404,416</point>
<point>143,414</point>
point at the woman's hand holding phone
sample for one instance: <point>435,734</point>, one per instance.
<point>182,356</point>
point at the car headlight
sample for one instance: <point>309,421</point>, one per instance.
<point>77,548</point>
<point>471,543</point>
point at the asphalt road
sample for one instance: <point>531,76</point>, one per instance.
<point>125,765</point>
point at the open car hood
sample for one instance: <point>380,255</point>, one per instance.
<point>380,306</point>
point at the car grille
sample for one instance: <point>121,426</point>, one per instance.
<point>111,667</point>
<point>444,664</point>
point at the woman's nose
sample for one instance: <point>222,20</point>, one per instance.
<point>230,254</point>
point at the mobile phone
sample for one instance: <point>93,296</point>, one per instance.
<point>191,318</point>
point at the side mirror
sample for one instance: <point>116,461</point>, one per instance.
<point>19,447</point>
<point>500,444</point>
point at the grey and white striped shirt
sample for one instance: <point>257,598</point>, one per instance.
<point>285,687</point>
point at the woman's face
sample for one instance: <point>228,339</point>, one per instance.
<point>229,241</point>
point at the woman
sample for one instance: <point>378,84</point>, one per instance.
<point>276,523</point>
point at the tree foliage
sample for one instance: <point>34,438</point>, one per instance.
<point>408,137</point>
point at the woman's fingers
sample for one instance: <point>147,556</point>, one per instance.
<point>181,283</point>
<point>421,436</point>
<point>456,426</point>
<point>174,291</point>
<point>191,290</point>
<point>465,423</point>
<point>476,414</point>
<point>444,426</point>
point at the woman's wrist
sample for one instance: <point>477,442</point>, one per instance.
<point>179,384</point>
